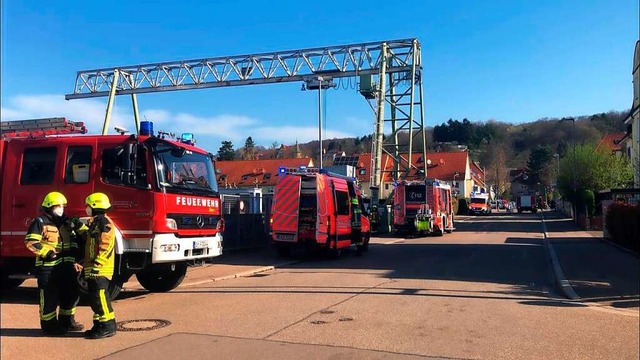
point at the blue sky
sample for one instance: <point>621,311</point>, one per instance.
<point>511,61</point>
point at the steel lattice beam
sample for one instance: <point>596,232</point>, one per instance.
<point>274,67</point>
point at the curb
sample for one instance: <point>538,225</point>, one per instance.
<point>242,274</point>
<point>561,280</point>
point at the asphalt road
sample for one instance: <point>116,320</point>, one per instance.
<point>487,291</point>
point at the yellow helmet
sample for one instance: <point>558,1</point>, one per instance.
<point>54,198</point>
<point>98,201</point>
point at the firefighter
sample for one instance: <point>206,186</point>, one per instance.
<point>356,223</point>
<point>374,218</point>
<point>100,237</point>
<point>51,238</point>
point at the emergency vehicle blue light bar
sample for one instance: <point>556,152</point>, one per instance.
<point>188,138</point>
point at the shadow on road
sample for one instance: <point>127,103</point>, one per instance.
<point>33,333</point>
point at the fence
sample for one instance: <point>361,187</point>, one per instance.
<point>246,224</point>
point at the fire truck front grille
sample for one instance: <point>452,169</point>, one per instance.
<point>194,221</point>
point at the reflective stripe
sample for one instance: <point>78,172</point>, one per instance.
<point>37,237</point>
<point>69,258</point>
<point>68,312</point>
<point>41,302</point>
<point>107,315</point>
<point>48,263</point>
<point>135,232</point>
<point>49,316</point>
<point>9,233</point>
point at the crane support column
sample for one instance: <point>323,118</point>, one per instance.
<point>380,122</point>
<point>112,96</point>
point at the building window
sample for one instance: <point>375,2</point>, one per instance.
<point>362,171</point>
<point>38,166</point>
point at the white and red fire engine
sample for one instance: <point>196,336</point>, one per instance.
<point>164,196</point>
<point>422,207</point>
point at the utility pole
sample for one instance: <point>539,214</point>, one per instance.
<point>319,83</point>
<point>575,183</point>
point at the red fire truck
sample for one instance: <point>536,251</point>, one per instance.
<point>164,196</point>
<point>422,207</point>
<point>315,207</point>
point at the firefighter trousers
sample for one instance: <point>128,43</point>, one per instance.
<point>57,286</point>
<point>100,302</point>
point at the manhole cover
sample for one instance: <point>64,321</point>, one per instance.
<point>318,322</point>
<point>326,311</point>
<point>142,324</point>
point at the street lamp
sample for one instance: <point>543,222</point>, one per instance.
<point>575,185</point>
<point>319,83</point>
<point>455,184</point>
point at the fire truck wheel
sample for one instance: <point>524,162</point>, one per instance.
<point>163,279</point>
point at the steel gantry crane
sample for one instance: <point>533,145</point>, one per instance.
<point>390,72</point>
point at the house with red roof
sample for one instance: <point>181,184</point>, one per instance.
<point>262,173</point>
<point>611,143</point>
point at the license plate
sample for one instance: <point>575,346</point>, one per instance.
<point>285,237</point>
<point>201,244</point>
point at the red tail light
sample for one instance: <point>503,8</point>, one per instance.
<point>220,225</point>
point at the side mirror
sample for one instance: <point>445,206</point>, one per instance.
<point>178,152</point>
<point>129,160</point>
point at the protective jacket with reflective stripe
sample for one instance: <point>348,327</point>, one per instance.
<point>47,233</point>
<point>100,237</point>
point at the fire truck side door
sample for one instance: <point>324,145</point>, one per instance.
<point>36,172</point>
<point>342,211</point>
<point>286,202</point>
<point>325,210</point>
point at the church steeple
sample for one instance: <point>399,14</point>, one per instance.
<point>298,153</point>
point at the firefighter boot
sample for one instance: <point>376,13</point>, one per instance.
<point>105,330</point>
<point>52,328</point>
<point>69,323</point>
<point>96,325</point>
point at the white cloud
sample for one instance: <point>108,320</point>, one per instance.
<point>289,134</point>
<point>209,130</point>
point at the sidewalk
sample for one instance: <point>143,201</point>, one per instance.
<point>596,270</point>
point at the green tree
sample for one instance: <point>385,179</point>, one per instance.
<point>249,150</point>
<point>540,165</point>
<point>594,170</point>
<point>226,151</point>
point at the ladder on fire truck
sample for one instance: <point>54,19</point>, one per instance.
<point>41,127</point>
<point>389,72</point>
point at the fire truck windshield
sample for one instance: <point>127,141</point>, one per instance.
<point>184,171</point>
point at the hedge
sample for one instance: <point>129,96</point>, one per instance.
<point>623,225</point>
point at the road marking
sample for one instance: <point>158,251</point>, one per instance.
<point>565,286</point>
<point>242,274</point>
<point>394,241</point>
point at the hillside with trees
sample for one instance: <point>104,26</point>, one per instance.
<point>489,142</point>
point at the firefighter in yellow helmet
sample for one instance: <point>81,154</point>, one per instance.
<point>100,237</point>
<point>51,238</point>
